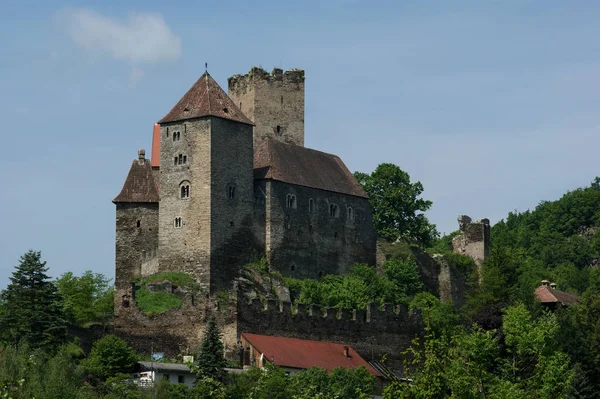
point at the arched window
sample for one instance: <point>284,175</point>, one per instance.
<point>178,222</point>
<point>334,211</point>
<point>184,189</point>
<point>290,201</point>
<point>350,214</point>
<point>311,205</point>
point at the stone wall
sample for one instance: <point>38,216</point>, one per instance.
<point>273,101</point>
<point>185,248</point>
<point>136,246</point>
<point>307,244</point>
<point>373,333</point>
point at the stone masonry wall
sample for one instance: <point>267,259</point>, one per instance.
<point>305,244</point>
<point>186,248</point>
<point>473,240</point>
<point>273,101</point>
<point>232,231</point>
<point>372,333</point>
<point>136,245</point>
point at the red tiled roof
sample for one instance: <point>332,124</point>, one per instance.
<point>205,98</point>
<point>304,354</point>
<point>155,157</point>
<point>304,167</point>
<point>546,294</point>
<point>139,185</point>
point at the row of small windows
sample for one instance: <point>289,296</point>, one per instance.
<point>334,209</point>
<point>180,160</point>
<point>184,191</point>
<point>176,136</point>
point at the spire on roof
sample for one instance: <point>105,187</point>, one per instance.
<point>205,98</point>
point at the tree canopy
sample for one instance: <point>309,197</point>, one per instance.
<point>88,298</point>
<point>32,309</point>
<point>397,205</point>
<point>211,358</point>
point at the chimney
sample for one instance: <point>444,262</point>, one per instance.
<point>346,351</point>
<point>545,283</point>
<point>142,154</point>
<point>553,285</point>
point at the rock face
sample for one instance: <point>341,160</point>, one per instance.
<point>473,240</point>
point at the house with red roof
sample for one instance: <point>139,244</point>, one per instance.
<point>552,298</point>
<point>295,355</point>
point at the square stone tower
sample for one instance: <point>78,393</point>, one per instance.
<point>206,186</point>
<point>273,101</point>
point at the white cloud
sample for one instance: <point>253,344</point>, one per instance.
<point>144,38</point>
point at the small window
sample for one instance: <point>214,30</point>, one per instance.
<point>281,100</point>
<point>178,222</point>
<point>350,214</point>
<point>125,301</point>
<point>139,223</point>
<point>335,235</point>
<point>334,211</point>
<point>290,201</point>
<point>180,160</point>
<point>175,161</point>
<point>311,205</point>
<point>293,267</point>
<point>278,128</point>
<point>185,191</point>
<point>231,192</point>
<point>180,379</point>
<point>185,159</point>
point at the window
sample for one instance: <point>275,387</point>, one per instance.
<point>185,191</point>
<point>278,128</point>
<point>176,136</point>
<point>311,205</point>
<point>178,222</point>
<point>180,159</point>
<point>231,192</point>
<point>293,267</point>
<point>125,301</point>
<point>185,159</point>
<point>180,379</point>
<point>334,211</point>
<point>350,214</point>
<point>175,161</point>
<point>290,201</point>
<point>139,223</point>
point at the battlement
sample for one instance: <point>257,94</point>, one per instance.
<point>258,73</point>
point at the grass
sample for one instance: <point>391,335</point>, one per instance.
<point>151,302</point>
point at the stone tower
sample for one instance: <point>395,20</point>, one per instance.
<point>273,101</point>
<point>206,186</point>
<point>136,229</point>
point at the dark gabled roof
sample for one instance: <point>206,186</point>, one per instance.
<point>546,294</point>
<point>205,98</point>
<point>304,354</point>
<point>302,166</point>
<point>139,185</point>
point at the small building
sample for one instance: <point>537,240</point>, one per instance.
<point>153,372</point>
<point>295,355</point>
<point>551,298</point>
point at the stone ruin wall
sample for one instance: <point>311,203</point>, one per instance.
<point>373,333</point>
<point>473,240</point>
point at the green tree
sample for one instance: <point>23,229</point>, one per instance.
<point>110,355</point>
<point>87,298</point>
<point>32,310</point>
<point>396,204</point>
<point>211,359</point>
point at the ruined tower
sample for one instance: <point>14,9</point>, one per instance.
<point>473,240</point>
<point>206,186</point>
<point>273,101</point>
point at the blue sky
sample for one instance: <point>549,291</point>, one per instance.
<point>492,105</point>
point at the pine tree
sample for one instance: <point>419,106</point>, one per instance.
<point>211,360</point>
<point>32,310</point>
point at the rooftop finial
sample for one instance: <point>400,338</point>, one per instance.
<point>142,154</point>
<point>206,67</point>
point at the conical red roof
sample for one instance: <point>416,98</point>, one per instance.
<point>205,98</point>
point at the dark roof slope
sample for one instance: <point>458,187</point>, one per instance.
<point>304,354</point>
<point>546,294</point>
<point>205,98</point>
<point>304,167</point>
<point>139,185</point>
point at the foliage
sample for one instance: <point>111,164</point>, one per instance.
<point>88,298</point>
<point>399,281</point>
<point>110,355</point>
<point>153,302</point>
<point>32,309</point>
<point>211,359</point>
<point>396,204</point>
